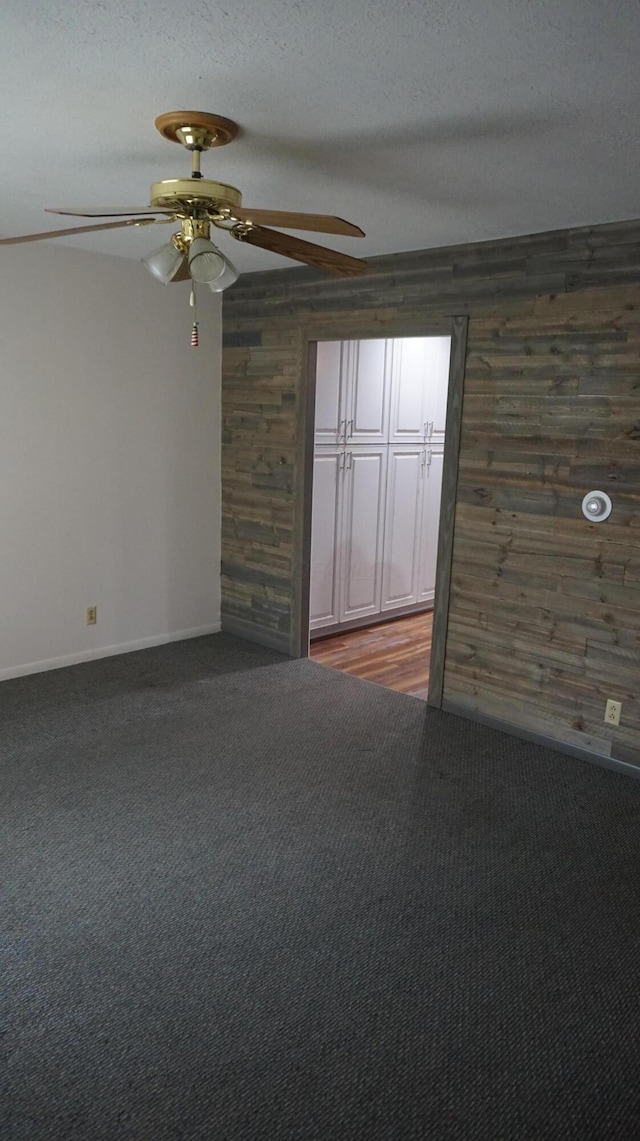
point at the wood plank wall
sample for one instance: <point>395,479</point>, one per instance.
<point>544,619</point>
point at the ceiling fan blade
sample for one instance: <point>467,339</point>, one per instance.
<point>329,260</point>
<point>322,223</point>
<point>106,211</point>
<point>78,230</point>
<point>182,274</point>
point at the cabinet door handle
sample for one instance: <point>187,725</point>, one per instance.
<point>348,430</point>
<point>342,431</point>
<point>341,461</point>
<point>349,459</point>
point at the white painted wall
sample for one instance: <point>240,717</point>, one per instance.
<point>109,458</point>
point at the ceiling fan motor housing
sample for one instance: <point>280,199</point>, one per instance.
<point>187,195</point>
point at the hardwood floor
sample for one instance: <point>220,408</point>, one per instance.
<point>395,654</point>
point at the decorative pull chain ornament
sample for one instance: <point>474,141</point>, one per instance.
<point>194,327</point>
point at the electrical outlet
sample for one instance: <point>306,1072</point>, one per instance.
<point>612,712</point>
<point>91,616</point>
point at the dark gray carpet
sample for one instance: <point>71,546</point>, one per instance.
<point>253,898</point>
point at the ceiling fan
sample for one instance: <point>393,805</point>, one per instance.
<point>199,203</point>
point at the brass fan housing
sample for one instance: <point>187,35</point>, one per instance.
<point>188,196</point>
<point>191,228</point>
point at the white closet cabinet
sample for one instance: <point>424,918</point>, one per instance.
<point>429,528</point>
<point>363,531</point>
<point>368,391</point>
<point>420,377</point>
<point>379,433</point>
<point>402,527</point>
<point>438,356</point>
<point>331,373</point>
<point>353,383</point>
<point>347,533</point>
<point>326,533</point>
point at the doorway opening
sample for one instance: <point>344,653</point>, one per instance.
<point>378,450</point>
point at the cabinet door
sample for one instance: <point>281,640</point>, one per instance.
<point>362,532</point>
<point>430,527</point>
<point>438,352</point>
<point>402,525</point>
<point>331,371</point>
<point>326,520</point>
<point>368,392</point>
<point>420,379</point>
<point>408,390</point>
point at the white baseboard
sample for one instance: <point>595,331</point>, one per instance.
<point>106,651</point>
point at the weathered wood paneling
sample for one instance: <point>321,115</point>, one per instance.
<point>544,616</point>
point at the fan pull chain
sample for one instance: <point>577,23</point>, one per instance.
<point>194,328</point>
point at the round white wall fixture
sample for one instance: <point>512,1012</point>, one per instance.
<point>596,506</point>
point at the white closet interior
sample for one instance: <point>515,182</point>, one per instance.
<point>379,442</point>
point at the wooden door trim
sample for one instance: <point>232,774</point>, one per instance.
<point>301,537</point>
<point>453,425</point>
<point>456,328</point>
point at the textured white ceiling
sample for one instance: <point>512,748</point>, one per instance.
<point>426,122</point>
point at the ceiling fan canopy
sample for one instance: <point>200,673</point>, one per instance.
<point>199,204</point>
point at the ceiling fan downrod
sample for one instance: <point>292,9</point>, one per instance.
<point>195,162</point>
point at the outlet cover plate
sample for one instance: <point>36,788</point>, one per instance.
<point>612,712</point>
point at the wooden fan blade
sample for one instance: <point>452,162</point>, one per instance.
<point>77,230</point>
<point>329,260</point>
<point>106,211</point>
<point>322,223</point>
<point>182,274</point>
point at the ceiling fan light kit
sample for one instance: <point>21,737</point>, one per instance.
<point>198,203</point>
<point>164,262</point>
<point>227,278</point>
<point>206,263</point>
